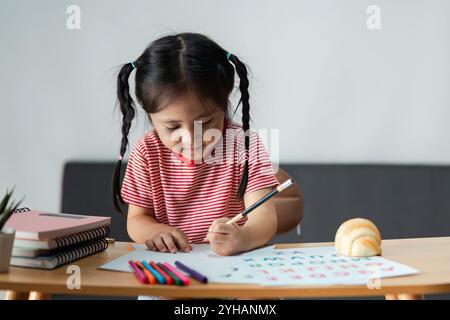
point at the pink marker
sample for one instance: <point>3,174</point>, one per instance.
<point>183,279</point>
<point>138,272</point>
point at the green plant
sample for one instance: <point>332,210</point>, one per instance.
<point>7,207</point>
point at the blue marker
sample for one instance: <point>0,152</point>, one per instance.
<point>154,272</point>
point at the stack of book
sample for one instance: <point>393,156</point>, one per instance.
<point>48,240</point>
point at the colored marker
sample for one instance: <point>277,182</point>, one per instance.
<point>151,278</point>
<point>176,280</point>
<point>154,272</point>
<point>194,274</point>
<point>183,279</point>
<point>166,277</point>
<point>138,273</point>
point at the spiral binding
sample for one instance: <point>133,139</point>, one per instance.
<point>76,253</point>
<point>82,237</point>
<point>20,210</point>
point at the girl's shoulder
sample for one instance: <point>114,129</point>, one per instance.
<point>148,144</point>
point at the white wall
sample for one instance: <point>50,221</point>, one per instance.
<point>338,91</point>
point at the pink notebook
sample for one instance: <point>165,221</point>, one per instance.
<point>37,225</point>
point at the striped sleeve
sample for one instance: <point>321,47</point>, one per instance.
<point>261,173</point>
<point>136,186</point>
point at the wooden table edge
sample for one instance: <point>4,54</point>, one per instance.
<point>209,291</point>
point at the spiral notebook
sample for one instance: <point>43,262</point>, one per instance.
<point>34,248</point>
<point>62,257</point>
<point>39,225</point>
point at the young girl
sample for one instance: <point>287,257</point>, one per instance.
<point>196,169</point>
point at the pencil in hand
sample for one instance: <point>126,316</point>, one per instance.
<point>274,192</point>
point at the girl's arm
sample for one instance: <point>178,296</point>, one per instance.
<point>261,225</point>
<point>141,223</point>
<point>142,227</point>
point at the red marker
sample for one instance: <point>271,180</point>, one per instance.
<point>166,277</point>
<point>183,279</point>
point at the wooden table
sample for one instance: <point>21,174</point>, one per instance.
<point>431,256</point>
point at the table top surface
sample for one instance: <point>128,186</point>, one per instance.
<point>431,256</point>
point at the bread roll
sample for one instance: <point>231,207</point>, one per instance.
<point>358,238</point>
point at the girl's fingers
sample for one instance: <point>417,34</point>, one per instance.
<point>149,243</point>
<point>218,238</point>
<point>160,244</point>
<point>218,221</point>
<point>220,231</point>
<point>222,228</point>
<point>222,249</point>
<point>185,237</point>
<point>168,240</point>
<point>180,234</point>
<point>182,242</point>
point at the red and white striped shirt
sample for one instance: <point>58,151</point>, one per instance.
<point>187,195</point>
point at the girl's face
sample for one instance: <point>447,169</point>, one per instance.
<point>187,127</point>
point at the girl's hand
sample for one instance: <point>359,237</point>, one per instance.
<point>168,240</point>
<point>225,239</point>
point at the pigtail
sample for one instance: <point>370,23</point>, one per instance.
<point>241,71</point>
<point>126,104</point>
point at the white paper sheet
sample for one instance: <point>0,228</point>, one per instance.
<point>217,268</point>
<point>320,266</point>
<point>269,266</point>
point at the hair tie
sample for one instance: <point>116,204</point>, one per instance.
<point>133,65</point>
<point>228,55</point>
<point>120,158</point>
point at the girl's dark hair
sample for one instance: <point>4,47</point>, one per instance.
<point>171,66</point>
